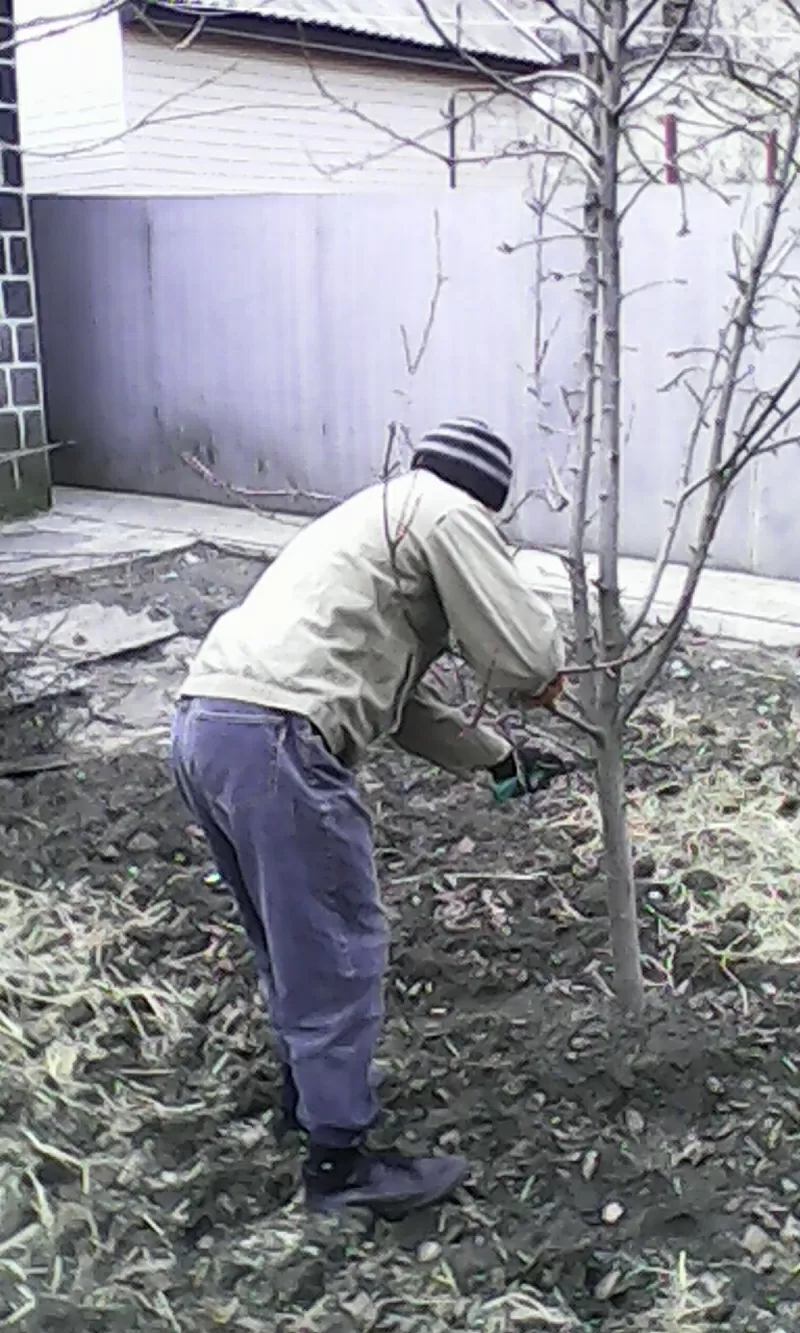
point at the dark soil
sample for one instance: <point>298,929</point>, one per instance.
<point>501,1043</point>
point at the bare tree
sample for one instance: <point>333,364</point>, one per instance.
<point>599,115</point>
<point>736,418</point>
<point>738,415</point>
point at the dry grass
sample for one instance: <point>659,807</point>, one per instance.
<point>105,1158</point>
<point>735,822</point>
<point>686,1301</point>
<point>741,831</point>
<point>89,1216</point>
<point>74,1127</point>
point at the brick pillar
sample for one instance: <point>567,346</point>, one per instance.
<point>25,481</point>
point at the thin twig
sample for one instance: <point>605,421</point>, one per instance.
<point>580,723</point>
<point>250,497</point>
<point>414,359</point>
<point>667,50</point>
<point>721,471</point>
<point>586,163</point>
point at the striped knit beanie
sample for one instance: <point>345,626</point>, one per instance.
<point>466,453</point>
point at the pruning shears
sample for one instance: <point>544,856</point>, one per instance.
<point>536,770</point>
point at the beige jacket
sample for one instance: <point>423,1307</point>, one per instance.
<point>345,623</point>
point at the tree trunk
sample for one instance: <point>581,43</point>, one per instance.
<point>623,923</point>
<point>610,769</point>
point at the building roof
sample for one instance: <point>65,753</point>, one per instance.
<point>521,30</point>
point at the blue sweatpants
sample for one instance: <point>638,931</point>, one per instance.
<point>291,837</point>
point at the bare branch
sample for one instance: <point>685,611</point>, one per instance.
<point>401,141</point>
<point>69,22</point>
<point>551,77</point>
<point>667,51</point>
<point>17,456</point>
<point>651,179</point>
<point>544,52</point>
<point>191,36</point>
<point>353,109</point>
<point>590,35</point>
<point>627,659</point>
<point>414,359</point>
<point>387,472</point>
<point>151,117</point>
<point>580,723</point>
<point>507,86</point>
<point>630,29</point>
<point>722,471</point>
<point>254,499</point>
<point>554,496</point>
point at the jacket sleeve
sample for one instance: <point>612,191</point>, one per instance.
<point>443,736</point>
<point>504,631</point>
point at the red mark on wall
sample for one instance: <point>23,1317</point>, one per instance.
<point>772,157</point>
<point>671,150</point>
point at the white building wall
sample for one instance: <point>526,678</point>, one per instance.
<point>110,112</point>
<point>72,120</point>
<point>229,117</point>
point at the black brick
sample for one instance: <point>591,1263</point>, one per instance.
<point>7,9</point>
<point>12,214</point>
<point>31,493</point>
<point>34,429</point>
<point>18,255</point>
<point>24,388</point>
<point>27,343</point>
<point>3,388</point>
<point>17,299</point>
<point>2,255</point>
<point>9,432</point>
<point>6,348</point>
<point>8,84</point>
<point>9,128</point>
<point>12,168</point>
<point>6,36</point>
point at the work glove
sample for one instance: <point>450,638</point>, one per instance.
<point>548,697</point>
<point>525,771</point>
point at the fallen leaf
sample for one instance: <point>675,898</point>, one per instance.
<point>590,1164</point>
<point>607,1285</point>
<point>60,1060</point>
<point>634,1121</point>
<point>790,1230</point>
<point>755,1240</point>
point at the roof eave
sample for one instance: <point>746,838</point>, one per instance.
<point>319,37</point>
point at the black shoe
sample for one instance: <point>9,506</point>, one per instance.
<point>286,1121</point>
<point>388,1184</point>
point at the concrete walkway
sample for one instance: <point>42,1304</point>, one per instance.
<point>86,529</point>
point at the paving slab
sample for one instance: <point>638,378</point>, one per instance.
<point>52,645</point>
<point>254,531</point>
<point>742,607</point>
<point>86,529</point>
<point>88,632</point>
<point>67,542</point>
